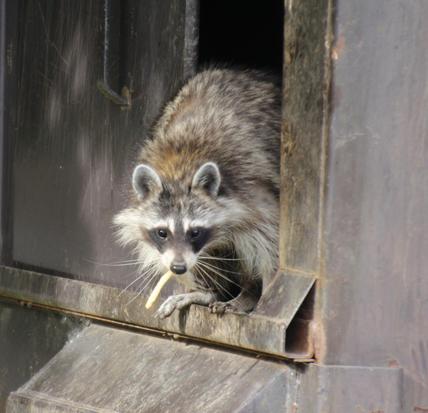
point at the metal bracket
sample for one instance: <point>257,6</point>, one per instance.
<point>124,98</point>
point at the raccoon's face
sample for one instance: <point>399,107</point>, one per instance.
<point>179,248</point>
<point>175,220</point>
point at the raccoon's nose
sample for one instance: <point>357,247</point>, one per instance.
<point>178,268</point>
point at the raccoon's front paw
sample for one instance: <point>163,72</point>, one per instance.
<point>174,302</point>
<point>221,307</point>
<point>179,301</point>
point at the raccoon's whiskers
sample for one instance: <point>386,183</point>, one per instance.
<point>216,283</point>
<point>146,283</point>
<point>210,257</point>
<point>147,273</point>
<point>219,269</point>
<point>122,265</point>
<point>202,275</point>
<point>132,283</point>
<point>213,279</point>
<point>210,268</point>
<point>114,263</point>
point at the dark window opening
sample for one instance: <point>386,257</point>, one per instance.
<point>298,332</point>
<point>242,33</point>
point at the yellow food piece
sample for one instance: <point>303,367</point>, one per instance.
<point>156,291</point>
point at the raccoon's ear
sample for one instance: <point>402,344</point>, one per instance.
<point>207,178</point>
<point>145,180</point>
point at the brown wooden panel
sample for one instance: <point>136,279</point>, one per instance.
<point>72,145</point>
<point>372,297</point>
<point>8,86</point>
<point>303,141</point>
<point>355,177</point>
<point>376,213</point>
<point>106,370</point>
<point>259,333</point>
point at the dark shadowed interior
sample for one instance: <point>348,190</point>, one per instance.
<point>242,33</point>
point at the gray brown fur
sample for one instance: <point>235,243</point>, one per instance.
<point>231,119</point>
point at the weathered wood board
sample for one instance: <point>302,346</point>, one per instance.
<point>28,340</point>
<point>253,332</point>
<point>106,370</point>
<point>126,372</point>
<point>73,149</point>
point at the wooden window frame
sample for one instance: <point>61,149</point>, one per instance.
<point>274,327</point>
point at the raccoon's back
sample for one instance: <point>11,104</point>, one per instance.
<point>224,116</point>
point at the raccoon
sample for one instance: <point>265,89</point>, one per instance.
<point>205,191</point>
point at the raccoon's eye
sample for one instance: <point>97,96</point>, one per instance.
<point>194,233</point>
<point>162,233</point>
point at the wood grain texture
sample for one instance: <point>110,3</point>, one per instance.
<point>8,88</point>
<point>107,370</point>
<point>354,176</point>
<point>257,333</point>
<point>29,339</point>
<point>376,305</point>
<point>74,149</point>
<point>305,108</point>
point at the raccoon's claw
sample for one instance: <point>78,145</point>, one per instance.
<point>221,307</point>
<point>218,307</point>
<point>169,305</point>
